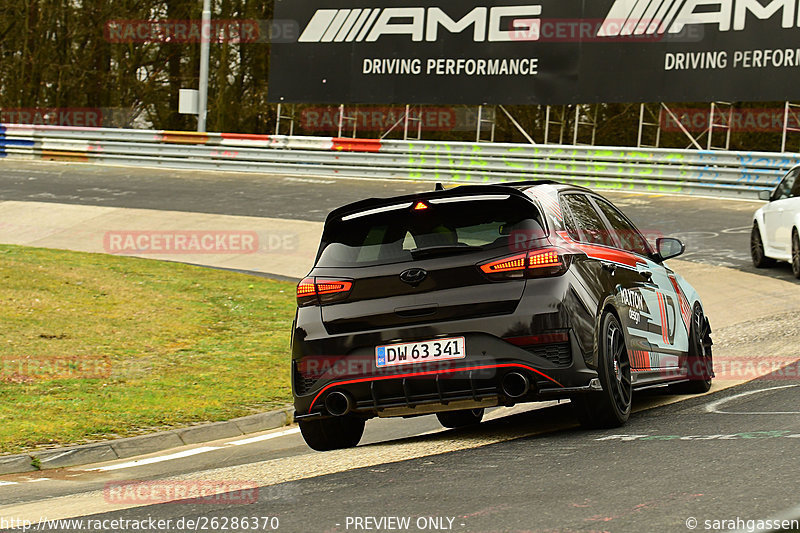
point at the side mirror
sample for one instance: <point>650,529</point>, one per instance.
<point>669,248</point>
<point>765,195</point>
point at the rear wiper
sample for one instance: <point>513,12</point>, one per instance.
<point>442,250</point>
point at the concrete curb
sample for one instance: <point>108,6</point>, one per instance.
<point>133,446</point>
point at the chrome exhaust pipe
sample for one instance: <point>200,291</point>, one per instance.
<point>338,403</point>
<point>515,385</point>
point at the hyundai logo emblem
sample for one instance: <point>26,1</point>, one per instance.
<point>413,276</point>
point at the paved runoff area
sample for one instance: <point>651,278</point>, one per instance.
<point>285,248</point>
<point>114,208</point>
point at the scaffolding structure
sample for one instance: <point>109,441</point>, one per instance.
<point>345,119</point>
<point>652,118</point>
<point>585,116</point>
<point>649,119</point>
<point>791,122</point>
<point>287,117</point>
<point>412,115</point>
<point>488,116</point>
<point>721,120</point>
<point>576,124</point>
<point>555,116</point>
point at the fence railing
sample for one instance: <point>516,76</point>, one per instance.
<point>715,173</point>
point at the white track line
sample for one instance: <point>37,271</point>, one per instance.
<point>152,460</point>
<point>4,483</point>
<point>260,438</point>
<point>713,407</point>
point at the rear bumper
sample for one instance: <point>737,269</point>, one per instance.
<point>325,363</point>
<point>476,381</point>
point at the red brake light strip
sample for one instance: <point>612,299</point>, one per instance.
<point>306,288</point>
<point>543,259</point>
<point>507,264</point>
<point>318,287</point>
<point>538,259</point>
<point>333,286</point>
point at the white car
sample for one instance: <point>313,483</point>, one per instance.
<point>776,225</point>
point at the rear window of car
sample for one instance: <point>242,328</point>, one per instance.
<point>401,233</point>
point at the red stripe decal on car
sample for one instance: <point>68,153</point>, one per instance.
<point>641,360</point>
<point>686,311</point>
<point>609,254</point>
<point>603,253</point>
<point>428,373</point>
<point>664,325</point>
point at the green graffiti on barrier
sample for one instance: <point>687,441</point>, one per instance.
<point>444,161</point>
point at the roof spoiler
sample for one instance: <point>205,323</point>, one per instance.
<point>522,183</point>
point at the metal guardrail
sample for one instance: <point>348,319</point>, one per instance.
<point>715,173</point>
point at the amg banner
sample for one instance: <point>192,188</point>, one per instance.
<point>536,51</point>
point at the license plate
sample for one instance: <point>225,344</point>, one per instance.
<point>410,353</point>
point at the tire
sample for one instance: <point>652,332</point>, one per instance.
<point>700,360</point>
<point>610,407</point>
<point>795,254</point>
<point>460,419</point>
<point>332,433</point>
<point>757,250</point>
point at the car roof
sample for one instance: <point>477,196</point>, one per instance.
<point>524,189</point>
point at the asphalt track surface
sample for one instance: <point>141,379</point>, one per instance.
<point>698,459</point>
<point>726,456</point>
<point>715,232</point>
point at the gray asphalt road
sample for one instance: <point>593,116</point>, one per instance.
<point>720,457</point>
<point>288,443</point>
<point>716,231</point>
<point>66,481</point>
<point>224,193</point>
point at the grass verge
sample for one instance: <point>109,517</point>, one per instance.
<point>96,346</point>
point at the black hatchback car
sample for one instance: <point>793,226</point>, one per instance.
<point>456,300</point>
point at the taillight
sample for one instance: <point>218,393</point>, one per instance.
<point>332,290</point>
<point>513,266</point>
<point>544,259</point>
<point>539,263</point>
<point>321,291</point>
<point>306,293</point>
